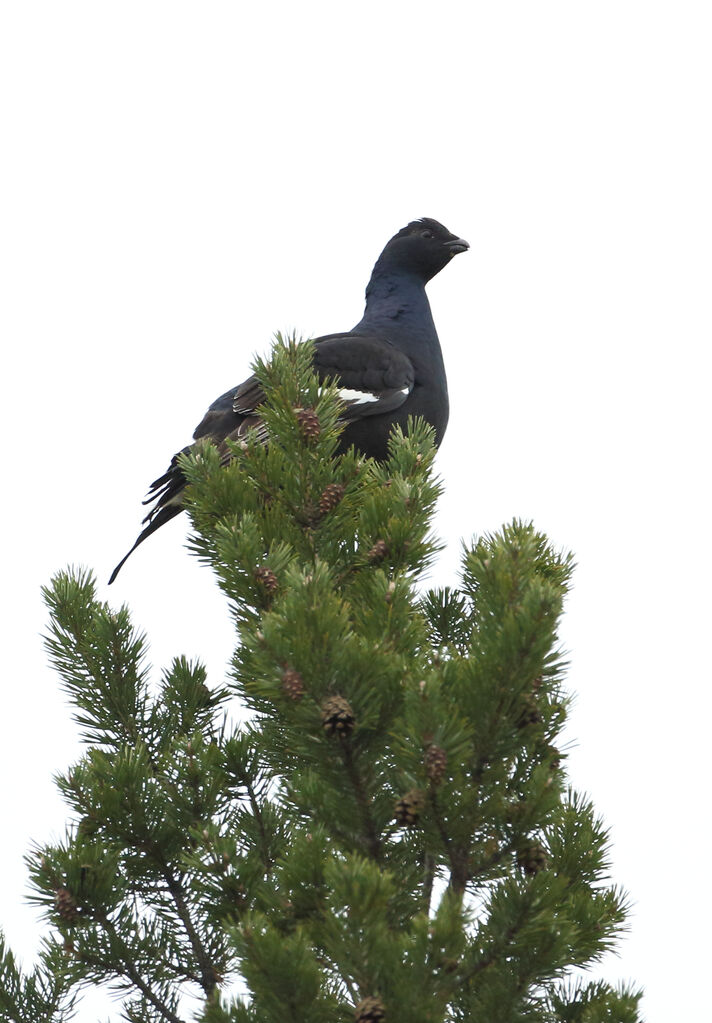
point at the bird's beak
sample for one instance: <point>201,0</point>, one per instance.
<point>457,245</point>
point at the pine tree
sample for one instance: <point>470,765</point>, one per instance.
<point>388,833</point>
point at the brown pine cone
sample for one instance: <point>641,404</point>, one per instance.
<point>308,423</point>
<point>531,859</point>
<point>370,1010</point>
<point>407,809</point>
<point>435,763</point>
<point>330,497</point>
<point>337,716</point>
<point>553,755</point>
<point>529,714</point>
<point>378,552</point>
<point>448,965</point>
<point>66,905</point>
<point>266,577</point>
<point>88,825</point>
<point>516,811</point>
<point>292,684</point>
<point>490,847</point>
<point>204,695</point>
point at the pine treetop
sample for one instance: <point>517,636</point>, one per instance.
<point>387,833</point>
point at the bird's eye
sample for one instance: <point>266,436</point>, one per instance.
<point>426,234</point>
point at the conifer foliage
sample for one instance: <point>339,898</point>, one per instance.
<point>387,834</point>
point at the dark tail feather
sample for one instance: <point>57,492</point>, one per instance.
<point>161,516</point>
<point>170,482</point>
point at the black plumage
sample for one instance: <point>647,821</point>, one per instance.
<point>390,366</point>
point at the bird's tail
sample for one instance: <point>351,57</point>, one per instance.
<point>158,519</point>
<point>165,496</point>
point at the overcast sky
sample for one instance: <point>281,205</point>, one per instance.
<point>179,181</point>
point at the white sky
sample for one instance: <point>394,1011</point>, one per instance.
<point>179,181</point>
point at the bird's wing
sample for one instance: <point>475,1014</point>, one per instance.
<point>373,376</point>
<point>222,411</point>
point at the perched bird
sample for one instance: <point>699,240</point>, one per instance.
<point>390,366</point>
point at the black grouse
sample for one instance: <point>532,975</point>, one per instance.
<point>390,365</point>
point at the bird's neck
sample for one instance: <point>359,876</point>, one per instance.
<point>397,299</point>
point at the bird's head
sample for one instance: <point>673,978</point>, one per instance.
<point>421,248</point>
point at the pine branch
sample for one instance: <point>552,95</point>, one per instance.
<point>458,858</point>
<point>125,958</point>
<point>43,996</point>
<point>259,818</point>
<point>428,881</point>
<point>208,980</point>
<point>372,841</point>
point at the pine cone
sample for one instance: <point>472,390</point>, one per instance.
<point>204,695</point>
<point>449,965</point>
<point>407,808</point>
<point>529,714</point>
<point>490,847</point>
<point>66,905</point>
<point>88,825</point>
<point>378,552</point>
<point>309,423</point>
<point>330,497</point>
<point>435,763</point>
<point>234,893</point>
<point>370,1010</point>
<point>515,811</point>
<point>553,755</point>
<point>211,976</point>
<point>531,859</point>
<point>337,716</point>
<point>292,684</point>
<point>266,577</point>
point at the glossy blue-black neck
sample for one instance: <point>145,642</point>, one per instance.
<point>397,299</point>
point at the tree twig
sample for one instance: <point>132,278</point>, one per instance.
<point>457,857</point>
<point>207,970</point>
<point>257,814</point>
<point>372,840</point>
<point>130,971</point>
<point>428,880</point>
